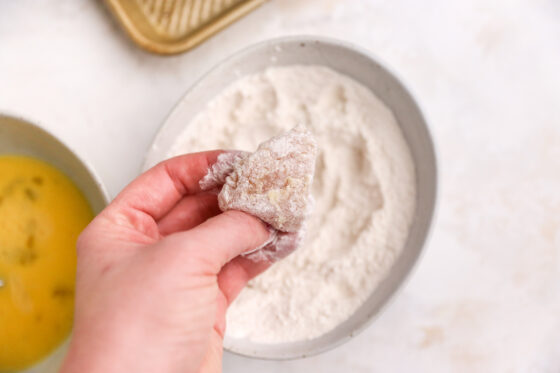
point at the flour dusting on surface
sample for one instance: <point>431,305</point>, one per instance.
<point>364,189</point>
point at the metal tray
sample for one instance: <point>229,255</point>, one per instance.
<point>175,26</point>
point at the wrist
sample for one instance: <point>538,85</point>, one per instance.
<point>104,351</point>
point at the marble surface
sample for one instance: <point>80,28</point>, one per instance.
<point>485,296</point>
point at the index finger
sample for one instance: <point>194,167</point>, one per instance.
<point>157,190</point>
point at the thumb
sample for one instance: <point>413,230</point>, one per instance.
<point>222,237</point>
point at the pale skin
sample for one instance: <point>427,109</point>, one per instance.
<point>157,270</point>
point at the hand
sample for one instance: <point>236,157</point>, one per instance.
<point>156,271</point>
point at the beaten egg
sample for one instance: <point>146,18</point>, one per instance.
<point>42,213</point>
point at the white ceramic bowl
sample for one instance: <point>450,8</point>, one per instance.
<point>18,136</point>
<point>364,68</point>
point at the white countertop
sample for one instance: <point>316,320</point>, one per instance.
<point>485,296</point>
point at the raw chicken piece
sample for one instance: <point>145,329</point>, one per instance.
<point>273,184</point>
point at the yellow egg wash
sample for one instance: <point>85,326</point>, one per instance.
<point>42,213</point>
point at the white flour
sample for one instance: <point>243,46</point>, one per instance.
<point>364,190</point>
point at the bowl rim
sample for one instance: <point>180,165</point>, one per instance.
<point>100,186</point>
<point>431,218</point>
<point>39,127</point>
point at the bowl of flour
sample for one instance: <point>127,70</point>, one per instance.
<point>374,187</point>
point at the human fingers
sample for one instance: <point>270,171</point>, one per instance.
<point>220,238</point>
<point>157,190</point>
<point>281,245</point>
<point>236,274</point>
<point>189,212</point>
